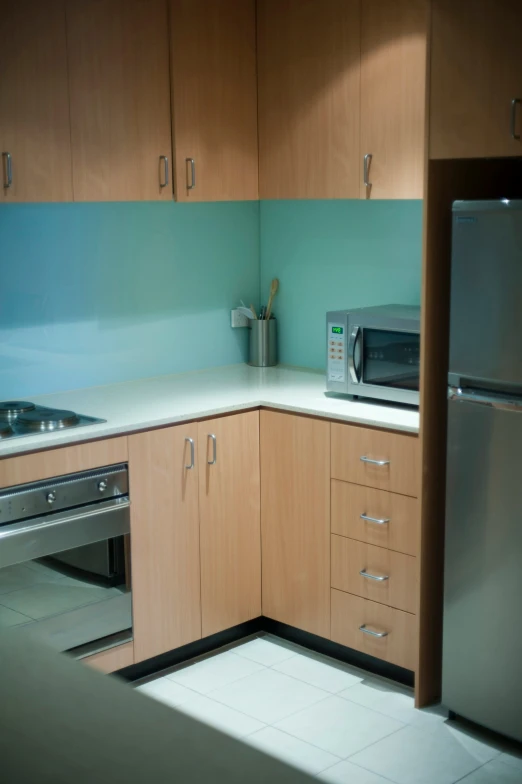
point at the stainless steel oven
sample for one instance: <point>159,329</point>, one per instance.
<point>65,560</point>
<point>374,353</point>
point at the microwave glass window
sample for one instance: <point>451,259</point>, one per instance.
<point>391,359</point>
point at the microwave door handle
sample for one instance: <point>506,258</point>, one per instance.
<point>352,345</point>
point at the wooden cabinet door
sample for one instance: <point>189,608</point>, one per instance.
<point>309,96</point>
<point>393,97</point>
<point>164,540</point>
<point>476,73</point>
<point>34,102</point>
<point>120,99</point>
<point>214,99</point>
<point>295,521</point>
<point>229,521</point>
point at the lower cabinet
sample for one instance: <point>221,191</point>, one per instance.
<point>295,520</point>
<point>229,521</point>
<point>165,564</point>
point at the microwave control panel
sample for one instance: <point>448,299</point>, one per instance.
<point>336,346</point>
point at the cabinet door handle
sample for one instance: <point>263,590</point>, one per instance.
<point>214,449</point>
<point>514,104</point>
<point>372,634</point>
<point>381,521</point>
<point>365,459</point>
<point>192,463</point>
<point>165,181</point>
<point>192,183</point>
<point>380,578</point>
<point>8,169</point>
<point>367,163</point>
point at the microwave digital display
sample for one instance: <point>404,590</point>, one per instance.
<point>337,330</point>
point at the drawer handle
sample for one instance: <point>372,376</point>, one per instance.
<point>379,578</point>
<point>374,462</point>
<point>383,521</point>
<point>372,634</point>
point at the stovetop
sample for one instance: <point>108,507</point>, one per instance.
<point>21,418</point>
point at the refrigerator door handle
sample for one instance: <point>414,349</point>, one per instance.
<point>501,402</point>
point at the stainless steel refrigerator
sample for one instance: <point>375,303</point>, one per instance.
<point>482,645</point>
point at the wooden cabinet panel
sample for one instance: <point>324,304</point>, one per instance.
<point>229,521</point>
<point>476,72</point>
<point>393,97</point>
<point>309,98</point>
<point>214,98</point>
<point>399,453</point>
<point>66,460</point>
<point>350,501</point>
<point>164,540</point>
<point>295,521</point>
<point>113,659</point>
<point>34,101</point>
<point>120,99</point>
<point>349,613</point>
<point>350,558</point>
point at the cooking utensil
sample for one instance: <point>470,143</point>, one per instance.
<point>273,291</point>
<point>253,310</point>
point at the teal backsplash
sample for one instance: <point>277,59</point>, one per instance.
<point>99,293</point>
<point>331,255</point>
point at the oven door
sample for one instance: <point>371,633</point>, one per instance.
<point>385,364</point>
<point>65,577</point>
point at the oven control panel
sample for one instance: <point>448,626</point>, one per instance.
<point>336,347</point>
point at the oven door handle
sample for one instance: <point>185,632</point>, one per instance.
<point>352,345</point>
<point>54,533</point>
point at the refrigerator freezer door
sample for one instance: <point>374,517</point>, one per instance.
<point>482,649</point>
<point>486,293</point>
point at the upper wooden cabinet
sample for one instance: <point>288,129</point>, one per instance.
<point>393,97</point>
<point>120,99</point>
<point>309,98</point>
<point>214,99</point>
<point>476,75</point>
<point>34,102</point>
<point>164,540</point>
<point>229,521</point>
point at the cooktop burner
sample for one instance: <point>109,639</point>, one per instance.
<point>47,419</point>
<point>6,431</point>
<point>21,418</point>
<point>10,409</point>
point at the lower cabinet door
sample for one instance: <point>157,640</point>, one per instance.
<point>229,506</point>
<point>165,569</point>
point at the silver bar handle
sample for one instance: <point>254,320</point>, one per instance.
<point>367,163</point>
<point>370,460</point>
<point>214,449</point>
<point>165,161</point>
<point>514,104</point>
<point>192,184</point>
<point>372,634</point>
<point>501,402</point>
<point>352,344</point>
<point>378,578</point>
<point>8,169</point>
<point>192,463</point>
<point>378,521</point>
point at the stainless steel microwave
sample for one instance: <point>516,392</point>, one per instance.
<point>374,353</point>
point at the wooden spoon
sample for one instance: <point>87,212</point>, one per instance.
<point>273,291</point>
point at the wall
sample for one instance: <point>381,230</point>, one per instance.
<point>334,255</point>
<point>93,294</point>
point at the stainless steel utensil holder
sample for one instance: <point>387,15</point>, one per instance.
<point>263,343</point>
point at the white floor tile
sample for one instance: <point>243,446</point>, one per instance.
<point>291,750</point>
<point>339,726</point>
<point>325,676</point>
<point>264,651</point>
<point>13,578</point>
<point>10,618</point>
<point>268,695</point>
<point>513,759</point>
<point>346,773</point>
<point>216,671</point>
<point>397,703</point>
<point>494,772</point>
<point>42,601</point>
<point>167,691</point>
<point>220,716</point>
<point>419,756</point>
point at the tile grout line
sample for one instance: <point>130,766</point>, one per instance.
<point>366,770</point>
<point>463,778</point>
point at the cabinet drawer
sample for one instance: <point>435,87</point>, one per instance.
<point>398,646</point>
<point>350,502</point>
<point>375,458</point>
<point>350,558</point>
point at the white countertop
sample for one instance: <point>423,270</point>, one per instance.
<point>164,400</point>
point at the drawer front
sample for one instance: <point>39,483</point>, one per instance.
<point>350,558</point>
<point>350,502</point>
<point>375,458</point>
<point>349,613</point>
